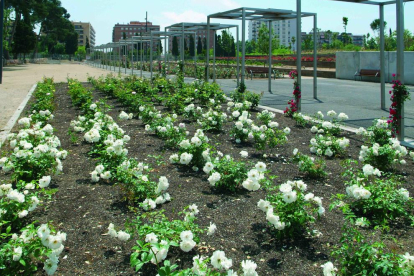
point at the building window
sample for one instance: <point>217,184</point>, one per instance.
<point>122,29</point>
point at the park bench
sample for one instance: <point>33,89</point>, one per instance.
<point>260,70</point>
<point>367,73</point>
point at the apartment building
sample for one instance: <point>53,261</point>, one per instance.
<point>86,32</point>
<point>284,29</point>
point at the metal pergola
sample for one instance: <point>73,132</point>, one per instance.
<point>267,15</point>
<point>165,35</point>
<point>188,26</point>
<point>400,47</point>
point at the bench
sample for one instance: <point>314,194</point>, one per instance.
<point>367,73</point>
<point>260,70</point>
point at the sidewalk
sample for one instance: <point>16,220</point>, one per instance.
<point>18,81</point>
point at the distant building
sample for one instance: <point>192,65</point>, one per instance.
<point>134,28</point>
<point>85,33</point>
<point>284,29</point>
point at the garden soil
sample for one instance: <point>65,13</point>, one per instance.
<point>84,210</point>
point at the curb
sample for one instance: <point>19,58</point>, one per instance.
<point>10,124</point>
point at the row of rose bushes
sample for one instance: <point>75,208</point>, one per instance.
<point>361,194</point>
<point>34,156</point>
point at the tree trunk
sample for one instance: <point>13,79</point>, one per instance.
<point>37,42</point>
<point>12,34</point>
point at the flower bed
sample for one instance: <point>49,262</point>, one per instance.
<point>85,209</point>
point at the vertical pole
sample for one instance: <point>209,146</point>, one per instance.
<point>237,56</point>
<point>270,57</point>
<point>182,44</point>
<point>382,56</point>
<point>142,56</point>
<point>151,56</point>
<point>400,61</point>
<point>207,70</point>
<point>243,45</point>
<point>315,57</point>
<point>126,56</point>
<point>119,57</point>
<point>106,57</point>
<point>214,58</point>
<point>195,52</point>
<point>1,39</point>
<point>132,57</point>
<point>299,47</point>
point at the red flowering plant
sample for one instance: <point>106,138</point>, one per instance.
<point>293,103</point>
<point>399,94</point>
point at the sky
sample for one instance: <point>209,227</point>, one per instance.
<point>104,14</point>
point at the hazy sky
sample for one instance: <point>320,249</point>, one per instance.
<point>104,14</point>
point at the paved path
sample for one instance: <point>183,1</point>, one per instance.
<point>18,80</point>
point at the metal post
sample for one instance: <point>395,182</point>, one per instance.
<point>207,70</point>
<point>382,56</point>
<point>132,58</point>
<point>237,56</point>
<point>270,57</point>
<point>106,57</point>
<point>299,48</point>
<point>151,56</point>
<point>182,45</point>
<point>195,54</point>
<point>243,45</point>
<point>142,55</point>
<point>214,58</point>
<point>315,57</point>
<point>400,62</point>
<point>126,56</point>
<point>119,57</point>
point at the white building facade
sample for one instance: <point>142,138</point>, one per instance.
<point>284,29</point>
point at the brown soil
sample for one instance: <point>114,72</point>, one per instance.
<point>84,210</point>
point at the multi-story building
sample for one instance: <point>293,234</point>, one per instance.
<point>134,28</point>
<point>85,33</point>
<point>284,29</point>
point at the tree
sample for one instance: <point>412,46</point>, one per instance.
<point>87,45</point>
<point>185,46</point>
<point>345,22</point>
<point>159,48</point>
<point>293,39</point>
<point>263,40</point>
<point>376,25</point>
<point>205,46</point>
<point>24,40</point>
<point>218,42</point>
<point>175,47</point>
<point>199,46</point>
<point>192,45</point>
<point>71,44</point>
<point>81,53</point>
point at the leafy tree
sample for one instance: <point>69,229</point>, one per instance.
<point>205,46</point>
<point>192,45</point>
<point>87,45</point>
<point>219,50</point>
<point>185,47</point>
<point>175,47</point>
<point>71,44</point>
<point>263,40</point>
<point>199,46</point>
<point>376,25</point>
<point>293,40</point>
<point>81,53</point>
<point>345,22</point>
<point>24,40</point>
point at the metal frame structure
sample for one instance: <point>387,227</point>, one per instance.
<point>268,15</point>
<point>164,35</point>
<point>400,48</point>
<point>189,26</point>
<point>1,38</point>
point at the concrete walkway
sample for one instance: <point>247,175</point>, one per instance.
<point>18,81</point>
